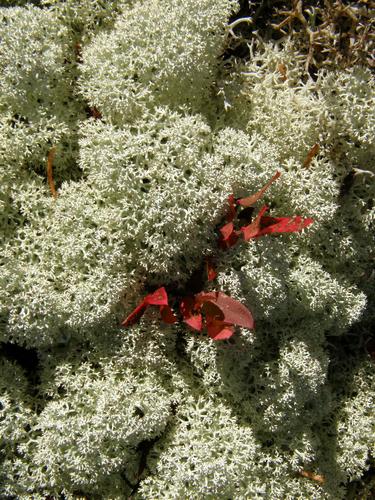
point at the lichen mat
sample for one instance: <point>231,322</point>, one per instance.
<point>167,127</point>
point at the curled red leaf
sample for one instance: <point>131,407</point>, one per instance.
<point>227,230</point>
<point>253,229</point>
<point>135,315</point>
<point>233,312</point>
<point>157,298</point>
<point>267,225</point>
<point>211,310</point>
<point>195,322</point>
<point>221,314</point>
<point>228,236</point>
<point>187,306</point>
<point>167,315</point>
<point>190,313</point>
<point>232,208</point>
<point>219,330</point>
<point>251,200</point>
<point>283,224</point>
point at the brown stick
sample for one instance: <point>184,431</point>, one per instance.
<point>310,155</point>
<point>51,183</point>
<point>312,476</point>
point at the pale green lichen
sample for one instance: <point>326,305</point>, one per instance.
<point>157,411</point>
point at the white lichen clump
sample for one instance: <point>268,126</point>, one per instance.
<point>158,411</point>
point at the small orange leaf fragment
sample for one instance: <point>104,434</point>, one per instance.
<point>78,52</point>
<point>314,477</point>
<point>95,113</point>
<point>210,269</point>
<point>314,150</point>
<point>282,69</point>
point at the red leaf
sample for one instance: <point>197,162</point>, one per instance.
<point>212,311</point>
<point>250,200</point>
<point>225,244</point>
<point>229,236</point>
<point>283,224</point>
<point>188,308</point>
<point>135,315</point>
<point>233,311</point>
<point>216,327</point>
<point>232,208</point>
<point>219,330</point>
<point>187,305</point>
<point>211,273</point>
<point>195,322</point>
<point>167,315</point>
<point>157,298</point>
<point>252,229</point>
<point>227,230</point>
